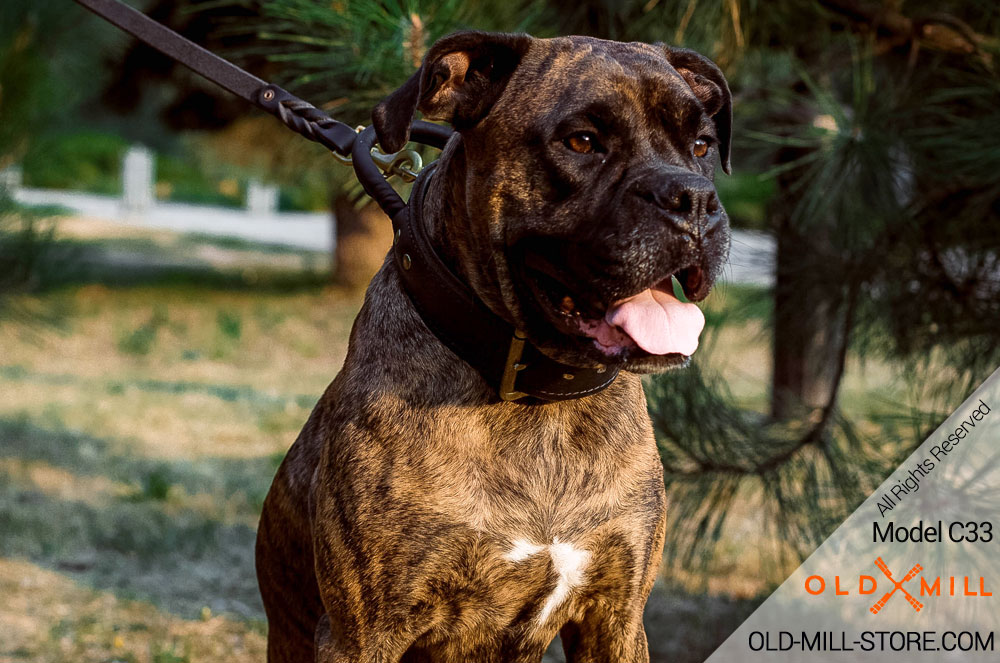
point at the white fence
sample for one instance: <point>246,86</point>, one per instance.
<point>10,179</point>
<point>258,221</point>
<point>139,186</point>
<point>138,180</point>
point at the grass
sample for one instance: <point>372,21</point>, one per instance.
<point>139,437</point>
<point>49,617</point>
<point>82,255</point>
<point>87,160</point>
<point>745,197</point>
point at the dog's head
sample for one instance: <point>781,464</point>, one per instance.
<point>586,186</point>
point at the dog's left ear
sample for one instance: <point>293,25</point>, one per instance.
<point>710,86</point>
<point>460,79</point>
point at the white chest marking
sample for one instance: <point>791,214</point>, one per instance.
<point>568,562</point>
<point>522,550</point>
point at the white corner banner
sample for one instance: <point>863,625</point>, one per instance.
<point>913,574</point>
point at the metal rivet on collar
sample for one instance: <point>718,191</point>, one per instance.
<point>601,368</point>
<point>406,261</point>
<point>568,376</point>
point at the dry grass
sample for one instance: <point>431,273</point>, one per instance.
<point>138,438</point>
<point>46,616</point>
<point>135,363</point>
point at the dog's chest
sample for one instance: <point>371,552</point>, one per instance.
<point>479,528</point>
<point>539,482</point>
<point>539,523</point>
<point>493,589</point>
<point>564,560</point>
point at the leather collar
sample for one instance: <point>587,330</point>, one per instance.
<point>508,362</point>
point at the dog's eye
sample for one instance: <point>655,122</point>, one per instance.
<point>700,148</point>
<point>583,142</point>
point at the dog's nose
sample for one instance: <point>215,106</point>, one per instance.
<point>688,200</point>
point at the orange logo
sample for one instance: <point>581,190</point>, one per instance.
<point>897,584</point>
<point>869,586</point>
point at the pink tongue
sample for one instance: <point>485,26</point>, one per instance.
<point>658,322</point>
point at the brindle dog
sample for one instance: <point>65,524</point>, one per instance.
<point>420,518</point>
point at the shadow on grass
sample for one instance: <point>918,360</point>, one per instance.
<point>143,546</point>
<point>142,542</point>
<point>122,263</point>
<point>229,393</point>
<point>682,627</point>
<point>195,239</point>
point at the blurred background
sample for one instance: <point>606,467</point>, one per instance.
<point>179,274</point>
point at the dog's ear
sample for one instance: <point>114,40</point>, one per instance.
<point>461,77</point>
<point>710,86</point>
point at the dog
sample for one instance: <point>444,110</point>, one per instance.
<point>421,517</point>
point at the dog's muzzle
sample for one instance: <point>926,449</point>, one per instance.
<point>686,200</point>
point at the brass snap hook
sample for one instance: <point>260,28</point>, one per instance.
<point>405,164</point>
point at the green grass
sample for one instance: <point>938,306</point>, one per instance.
<point>83,161</point>
<point>141,339</point>
<point>745,197</point>
<point>185,179</point>
<point>230,324</point>
<point>732,304</point>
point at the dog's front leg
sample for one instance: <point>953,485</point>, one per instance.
<point>331,649</point>
<point>601,639</point>
<point>344,647</point>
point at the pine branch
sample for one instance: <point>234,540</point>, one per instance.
<point>937,31</point>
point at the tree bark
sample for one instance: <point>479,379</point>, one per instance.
<point>363,236</point>
<point>808,326</point>
<point>809,291</point>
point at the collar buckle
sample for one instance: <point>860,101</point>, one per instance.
<point>512,367</point>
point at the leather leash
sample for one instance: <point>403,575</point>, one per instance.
<point>500,353</point>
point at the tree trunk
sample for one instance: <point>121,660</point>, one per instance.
<point>808,324</point>
<point>363,236</point>
<point>809,290</point>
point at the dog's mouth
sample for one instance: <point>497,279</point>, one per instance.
<point>652,323</point>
